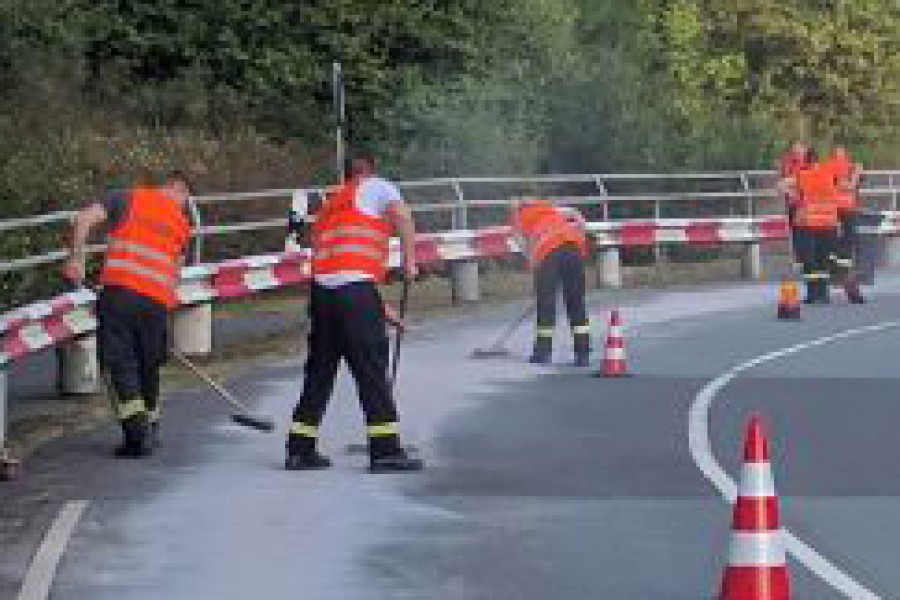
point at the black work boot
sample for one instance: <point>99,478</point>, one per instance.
<point>136,442</point>
<point>302,455</point>
<point>824,293</point>
<point>542,352</point>
<point>386,455</point>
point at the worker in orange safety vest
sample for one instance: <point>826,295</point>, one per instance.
<point>350,243</point>
<point>817,222</point>
<point>846,176</point>
<point>148,232</point>
<point>555,244</point>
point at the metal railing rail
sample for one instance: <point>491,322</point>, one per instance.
<point>749,186</point>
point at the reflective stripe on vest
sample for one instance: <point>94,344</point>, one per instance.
<point>139,269</point>
<point>334,251</point>
<point>142,249</point>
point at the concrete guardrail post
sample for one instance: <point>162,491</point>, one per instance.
<point>751,261</point>
<point>464,281</point>
<point>192,329</point>
<point>609,274</point>
<point>78,372</point>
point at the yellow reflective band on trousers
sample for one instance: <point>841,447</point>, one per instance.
<point>544,332</point>
<point>131,408</point>
<point>383,430</point>
<point>304,430</point>
<point>816,276</point>
<point>581,329</point>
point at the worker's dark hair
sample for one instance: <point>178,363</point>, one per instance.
<point>364,154</point>
<point>812,157</point>
<point>182,177</point>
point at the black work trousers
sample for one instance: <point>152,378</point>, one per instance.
<point>820,247</point>
<point>132,344</point>
<point>561,269</point>
<point>346,323</point>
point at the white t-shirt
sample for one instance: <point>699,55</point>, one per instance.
<point>373,197</point>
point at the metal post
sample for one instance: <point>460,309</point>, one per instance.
<point>893,191</point>
<point>337,91</point>
<point>461,215</point>
<point>745,183</point>
<point>601,187</point>
<point>658,255</point>
<point>197,254</point>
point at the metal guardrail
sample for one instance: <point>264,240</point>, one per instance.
<point>461,198</point>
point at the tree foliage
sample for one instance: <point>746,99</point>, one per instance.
<point>826,69</point>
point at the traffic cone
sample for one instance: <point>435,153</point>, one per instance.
<point>788,300</point>
<point>756,569</point>
<point>614,351</point>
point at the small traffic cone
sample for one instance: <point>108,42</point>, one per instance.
<point>756,569</point>
<point>788,300</point>
<point>614,351</point>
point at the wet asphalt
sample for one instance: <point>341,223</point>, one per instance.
<point>542,481</point>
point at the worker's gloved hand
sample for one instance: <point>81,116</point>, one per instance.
<point>73,272</point>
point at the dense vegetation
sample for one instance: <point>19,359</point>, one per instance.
<point>239,90</point>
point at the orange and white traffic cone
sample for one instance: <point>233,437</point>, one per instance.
<point>788,300</point>
<point>756,569</point>
<point>614,364</point>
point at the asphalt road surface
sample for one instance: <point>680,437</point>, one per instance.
<point>542,482</point>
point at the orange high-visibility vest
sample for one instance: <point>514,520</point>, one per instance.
<point>842,170</point>
<point>145,248</point>
<point>347,241</point>
<point>546,229</point>
<point>818,206</point>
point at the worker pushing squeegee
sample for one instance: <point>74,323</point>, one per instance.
<point>148,232</point>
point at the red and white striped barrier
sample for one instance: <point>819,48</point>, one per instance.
<point>757,566</point>
<point>44,324</point>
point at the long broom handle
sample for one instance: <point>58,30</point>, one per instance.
<point>398,338</point>
<point>222,392</point>
<point>507,333</point>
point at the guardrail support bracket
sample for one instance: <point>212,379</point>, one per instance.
<point>77,370</point>
<point>464,281</point>
<point>9,467</point>
<point>609,263</point>
<point>751,262</point>
<point>193,329</point>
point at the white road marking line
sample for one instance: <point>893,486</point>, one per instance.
<point>701,451</point>
<point>39,578</point>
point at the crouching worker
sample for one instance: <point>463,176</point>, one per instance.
<point>350,240</point>
<point>556,245</point>
<point>148,232</point>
